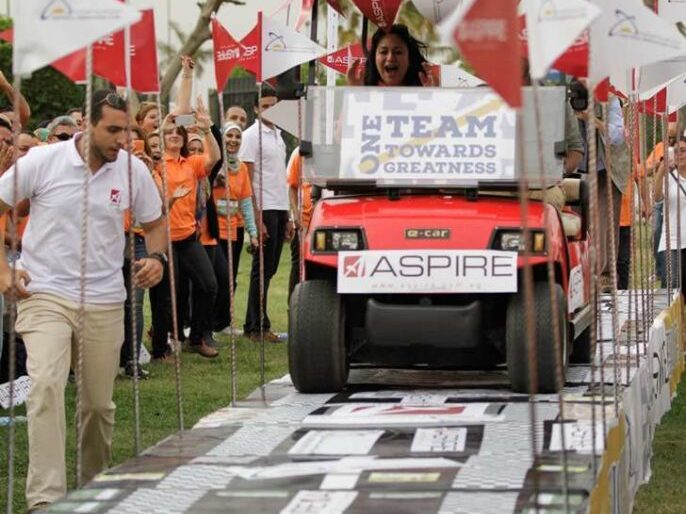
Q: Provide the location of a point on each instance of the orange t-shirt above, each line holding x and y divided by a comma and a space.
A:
240, 188
185, 172
294, 170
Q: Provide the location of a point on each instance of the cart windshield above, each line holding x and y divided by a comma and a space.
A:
431, 137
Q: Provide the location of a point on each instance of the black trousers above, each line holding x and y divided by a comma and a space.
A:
160, 311
624, 258
275, 223
222, 314
236, 248
192, 263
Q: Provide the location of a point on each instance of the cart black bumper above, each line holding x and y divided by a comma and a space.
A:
441, 326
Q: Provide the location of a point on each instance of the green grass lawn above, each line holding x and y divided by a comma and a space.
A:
206, 387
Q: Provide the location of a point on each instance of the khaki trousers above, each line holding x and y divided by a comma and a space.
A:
48, 326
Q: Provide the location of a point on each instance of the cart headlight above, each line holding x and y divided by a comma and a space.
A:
513, 241
338, 240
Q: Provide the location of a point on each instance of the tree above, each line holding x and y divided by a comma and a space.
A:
191, 46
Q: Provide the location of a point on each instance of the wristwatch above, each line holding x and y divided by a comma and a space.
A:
161, 257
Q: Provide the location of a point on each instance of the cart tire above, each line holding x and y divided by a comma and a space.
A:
582, 348
317, 357
516, 340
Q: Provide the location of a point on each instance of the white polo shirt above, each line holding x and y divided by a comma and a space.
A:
273, 165
51, 177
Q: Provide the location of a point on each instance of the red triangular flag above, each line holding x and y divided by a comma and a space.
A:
488, 40
381, 13
340, 59
229, 53
145, 76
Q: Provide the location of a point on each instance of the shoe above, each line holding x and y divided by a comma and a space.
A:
227, 331
38, 507
269, 337
203, 349
129, 371
166, 359
210, 341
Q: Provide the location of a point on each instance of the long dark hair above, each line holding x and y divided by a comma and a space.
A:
415, 49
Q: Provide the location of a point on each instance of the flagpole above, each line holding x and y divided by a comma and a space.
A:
132, 247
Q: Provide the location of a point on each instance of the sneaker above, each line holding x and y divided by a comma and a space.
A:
228, 330
203, 349
142, 373
269, 337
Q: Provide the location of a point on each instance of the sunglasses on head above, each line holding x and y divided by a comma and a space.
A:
113, 100
63, 136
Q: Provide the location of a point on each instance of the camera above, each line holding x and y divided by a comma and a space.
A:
578, 96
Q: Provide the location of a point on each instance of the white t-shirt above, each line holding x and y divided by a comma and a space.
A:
674, 190
273, 165
52, 178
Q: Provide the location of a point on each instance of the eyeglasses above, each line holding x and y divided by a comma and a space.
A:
113, 100
63, 136
169, 132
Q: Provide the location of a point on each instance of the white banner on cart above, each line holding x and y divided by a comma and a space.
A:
427, 271
428, 136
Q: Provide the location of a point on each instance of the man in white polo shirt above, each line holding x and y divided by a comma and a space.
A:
272, 199
52, 178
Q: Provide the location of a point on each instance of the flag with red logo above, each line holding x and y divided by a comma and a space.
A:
340, 59
487, 36
381, 13
229, 53
267, 51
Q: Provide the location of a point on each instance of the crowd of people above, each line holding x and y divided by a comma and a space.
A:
213, 191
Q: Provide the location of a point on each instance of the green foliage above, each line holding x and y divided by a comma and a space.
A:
48, 92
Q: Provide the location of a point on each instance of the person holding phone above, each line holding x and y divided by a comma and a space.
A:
190, 259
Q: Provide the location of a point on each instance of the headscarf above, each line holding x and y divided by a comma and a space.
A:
232, 162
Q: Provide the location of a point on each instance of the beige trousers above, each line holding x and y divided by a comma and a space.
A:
48, 325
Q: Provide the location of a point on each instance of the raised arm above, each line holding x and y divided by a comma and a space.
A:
213, 153
11, 94
183, 99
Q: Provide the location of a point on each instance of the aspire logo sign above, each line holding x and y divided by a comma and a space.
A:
353, 266
427, 271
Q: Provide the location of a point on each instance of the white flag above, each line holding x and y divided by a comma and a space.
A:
552, 26
46, 30
283, 48
658, 75
437, 10
628, 34
676, 94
